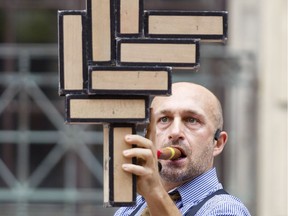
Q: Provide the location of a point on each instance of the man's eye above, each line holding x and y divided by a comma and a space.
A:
164, 119
191, 120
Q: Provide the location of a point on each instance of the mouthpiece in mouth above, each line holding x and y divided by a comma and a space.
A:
169, 153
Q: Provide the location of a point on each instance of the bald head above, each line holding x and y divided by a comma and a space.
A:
198, 96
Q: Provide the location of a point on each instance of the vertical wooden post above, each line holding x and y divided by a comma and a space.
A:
101, 20
72, 52
119, 186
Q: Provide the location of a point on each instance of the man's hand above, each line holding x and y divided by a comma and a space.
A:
148, 179
146, 170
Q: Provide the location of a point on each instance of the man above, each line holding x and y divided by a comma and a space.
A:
191, 120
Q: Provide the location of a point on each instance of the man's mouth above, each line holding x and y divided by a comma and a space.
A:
183, 154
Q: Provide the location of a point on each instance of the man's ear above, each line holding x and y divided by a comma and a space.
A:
220, 142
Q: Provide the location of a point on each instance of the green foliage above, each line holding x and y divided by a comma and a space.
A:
36, 26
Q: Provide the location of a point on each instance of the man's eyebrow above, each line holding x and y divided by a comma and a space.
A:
192, 112
164, 111
187, 112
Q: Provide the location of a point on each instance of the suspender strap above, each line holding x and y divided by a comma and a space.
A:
194, 209
136, 210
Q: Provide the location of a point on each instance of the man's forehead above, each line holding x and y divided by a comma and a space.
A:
176, 105
182, 92
186, 96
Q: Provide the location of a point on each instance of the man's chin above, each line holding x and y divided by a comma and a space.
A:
171, 175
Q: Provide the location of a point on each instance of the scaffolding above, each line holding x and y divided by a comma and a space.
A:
27, 98
44, 161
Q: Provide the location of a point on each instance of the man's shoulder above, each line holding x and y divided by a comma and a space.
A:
223, 204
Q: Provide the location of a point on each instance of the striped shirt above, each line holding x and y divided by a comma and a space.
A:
194, 192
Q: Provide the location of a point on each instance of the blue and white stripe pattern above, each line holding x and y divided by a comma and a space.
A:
194, 192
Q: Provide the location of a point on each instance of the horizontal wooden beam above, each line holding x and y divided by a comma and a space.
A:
158, 52
100, 109
206, 25
130, 80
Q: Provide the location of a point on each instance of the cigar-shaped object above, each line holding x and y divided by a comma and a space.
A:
168, 153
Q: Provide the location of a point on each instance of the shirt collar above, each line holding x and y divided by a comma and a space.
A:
197, 189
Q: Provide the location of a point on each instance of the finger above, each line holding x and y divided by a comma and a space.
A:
138, 140
144, 154
135, 169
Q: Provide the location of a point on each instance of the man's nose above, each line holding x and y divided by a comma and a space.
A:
176, 130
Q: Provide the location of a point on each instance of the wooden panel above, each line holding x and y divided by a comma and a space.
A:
123, 181
97, 109
101, 24
71, 52
171, 52
193, 25
119, 186
158, 53
130, 80
130, 16
208, 26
